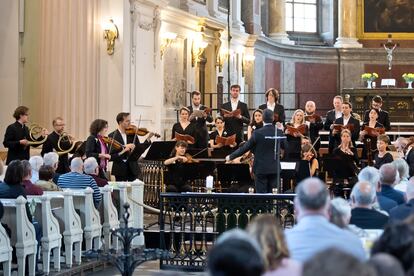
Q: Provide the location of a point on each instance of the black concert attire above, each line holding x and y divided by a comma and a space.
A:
293, 150
200, 128
278, 109
256, 126
235, 125
93, 148
14, 133
125, 166
265, 167
176, 181
51, 144
350, 162
372, 142
314, 129
331, 116
379, 161
383, 118
354, 133
189, 130
213, 135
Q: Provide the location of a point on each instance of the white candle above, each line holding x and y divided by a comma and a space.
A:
209, 182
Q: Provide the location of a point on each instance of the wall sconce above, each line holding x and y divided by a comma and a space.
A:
221, 58
166, 38
110, 34
245, 59
197, 48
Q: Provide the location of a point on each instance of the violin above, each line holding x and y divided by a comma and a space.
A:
190, 159
228, 114
112, 143
133, 130
374, 131
296, 131
184, 137
313, 118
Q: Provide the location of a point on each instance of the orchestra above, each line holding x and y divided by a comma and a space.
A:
196, 129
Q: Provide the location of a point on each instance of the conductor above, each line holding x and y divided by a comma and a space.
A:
262, 143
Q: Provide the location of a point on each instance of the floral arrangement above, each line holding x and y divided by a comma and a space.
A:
369, 76
408, 77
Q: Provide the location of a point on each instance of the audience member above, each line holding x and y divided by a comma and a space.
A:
52, 159
403, 211
313, 232
35, 161
75, 179
371, 175
402, 168
26, 183
45, 179
12, 185
385, 265
269, 234
340, 212
363, 215
91, 167
388, 178
1, 171
398, 241
235, 254
333, 261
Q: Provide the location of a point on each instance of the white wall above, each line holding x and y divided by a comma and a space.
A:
9, 63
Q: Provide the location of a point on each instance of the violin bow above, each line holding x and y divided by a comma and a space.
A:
313, 145
201, 151
136, 131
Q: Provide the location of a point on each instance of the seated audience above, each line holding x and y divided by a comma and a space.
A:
398, 241
402, 168
35, 162
403, 211
372, 175
340, 212
362, 214
385, 265
75, 179
45, 179
52, 159
29, 187
91, 167
12, 185
235, 254
388, 178
269, 234
336, 262
313, 232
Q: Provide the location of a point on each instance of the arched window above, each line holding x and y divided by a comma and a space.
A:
302, 16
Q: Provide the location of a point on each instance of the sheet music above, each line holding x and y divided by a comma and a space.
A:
288, 165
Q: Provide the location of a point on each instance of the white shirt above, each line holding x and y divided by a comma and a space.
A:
346, 120
124, 137
271, 106
196, 107
234, 104
338, 114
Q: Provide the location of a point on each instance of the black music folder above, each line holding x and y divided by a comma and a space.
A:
160, 150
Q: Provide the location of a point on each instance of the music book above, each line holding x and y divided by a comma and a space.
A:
226, 141
374, 131
227, 114
184, 137
339, 127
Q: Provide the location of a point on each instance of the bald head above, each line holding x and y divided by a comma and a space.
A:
76, 165
310, 107
363, 194
311, 195
388, 174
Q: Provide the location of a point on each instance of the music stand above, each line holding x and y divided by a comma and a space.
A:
160, 150
229, 173
221, 152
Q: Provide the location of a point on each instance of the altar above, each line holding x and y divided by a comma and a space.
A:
399, 102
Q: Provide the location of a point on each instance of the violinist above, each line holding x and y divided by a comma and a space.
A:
346, 120
294, 139
256, 123
201, 132
331, 116
183, 126
125, 166
314, 123
382, 156
346, 151
272, 103
309, 154
220, 131
97, 148
369, 137
177, 169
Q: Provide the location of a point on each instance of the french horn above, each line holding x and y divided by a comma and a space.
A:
36, 131
64, 138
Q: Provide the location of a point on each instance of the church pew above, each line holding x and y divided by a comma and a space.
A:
23, 234
5, 251
51, 238
111, 220
71, 225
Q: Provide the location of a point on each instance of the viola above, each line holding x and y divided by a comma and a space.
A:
184, 137
228, 114
296, 131
133, 130
112, 143
374, 131
313, 118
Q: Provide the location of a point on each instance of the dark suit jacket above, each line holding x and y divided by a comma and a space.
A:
279, 110
410, 161
383, 118
262, 148
391, 193
127, 162
403, 211
14, 133
355, 132
201, 131
235, 125
386, 203
330, 119
52, 144
368, 218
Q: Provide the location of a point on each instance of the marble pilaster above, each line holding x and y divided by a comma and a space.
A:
347, 24
277, 25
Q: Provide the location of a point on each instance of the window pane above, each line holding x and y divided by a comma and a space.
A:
309, 25
310, 11
299, 11
289, 10
301, 15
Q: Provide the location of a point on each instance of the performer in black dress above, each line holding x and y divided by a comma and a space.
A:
347, 153
272, 103
220, 131
183, 126
294, 131
369, 136
382, 156
256, 123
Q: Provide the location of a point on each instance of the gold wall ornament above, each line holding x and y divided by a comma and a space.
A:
198, 46
110, 34
167, 39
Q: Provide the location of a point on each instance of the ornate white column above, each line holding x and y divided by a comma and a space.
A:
277, 22
236, 23
347, 24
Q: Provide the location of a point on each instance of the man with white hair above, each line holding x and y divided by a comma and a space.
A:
363, 215
52, 159
403, 211
91, 167
313, 232
371, 175
75, 179
388, 179
35, 162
